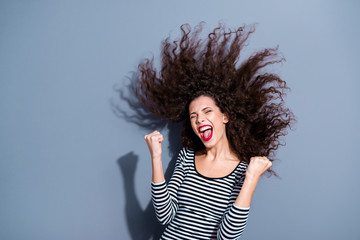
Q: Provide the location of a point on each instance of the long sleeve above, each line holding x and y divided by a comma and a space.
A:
164, 196
235, 218
233, 223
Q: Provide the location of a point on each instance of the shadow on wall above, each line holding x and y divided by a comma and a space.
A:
142, 224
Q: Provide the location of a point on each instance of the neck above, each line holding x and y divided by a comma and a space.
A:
221, 150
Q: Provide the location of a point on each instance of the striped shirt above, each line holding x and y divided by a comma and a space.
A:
199, 207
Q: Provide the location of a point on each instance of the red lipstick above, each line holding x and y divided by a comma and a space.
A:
206, 132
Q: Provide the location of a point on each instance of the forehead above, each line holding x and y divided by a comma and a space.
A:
201, 102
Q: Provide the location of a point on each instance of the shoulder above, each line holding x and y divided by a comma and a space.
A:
242, 168
185, 155
243, 165
240, 172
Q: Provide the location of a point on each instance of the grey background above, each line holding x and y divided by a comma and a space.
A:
70, 168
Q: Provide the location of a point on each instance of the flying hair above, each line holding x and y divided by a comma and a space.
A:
251, 97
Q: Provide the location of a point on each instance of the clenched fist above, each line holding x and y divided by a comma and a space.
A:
153, 141
257, 166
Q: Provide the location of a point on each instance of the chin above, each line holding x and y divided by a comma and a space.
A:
208, 144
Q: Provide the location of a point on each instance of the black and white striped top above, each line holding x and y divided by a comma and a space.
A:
198, 207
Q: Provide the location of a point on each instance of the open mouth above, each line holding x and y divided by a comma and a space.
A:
206, 132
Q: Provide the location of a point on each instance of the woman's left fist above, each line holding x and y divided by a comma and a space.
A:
257, 167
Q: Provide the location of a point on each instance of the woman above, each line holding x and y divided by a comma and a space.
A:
233, 116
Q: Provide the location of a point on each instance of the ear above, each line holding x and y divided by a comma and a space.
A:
225, 118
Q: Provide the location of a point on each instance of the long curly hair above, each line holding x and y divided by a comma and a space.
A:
252, 98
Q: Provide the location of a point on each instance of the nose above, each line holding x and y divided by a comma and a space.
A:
200, 119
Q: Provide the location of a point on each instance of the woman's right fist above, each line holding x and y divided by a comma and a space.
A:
153, 141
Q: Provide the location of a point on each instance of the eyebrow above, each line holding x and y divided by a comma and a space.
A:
201, 110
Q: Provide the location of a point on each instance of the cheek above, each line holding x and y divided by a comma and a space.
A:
193, 126
220, 123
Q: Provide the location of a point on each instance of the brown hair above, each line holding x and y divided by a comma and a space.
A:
251, 98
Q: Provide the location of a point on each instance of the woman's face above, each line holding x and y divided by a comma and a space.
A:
207, 121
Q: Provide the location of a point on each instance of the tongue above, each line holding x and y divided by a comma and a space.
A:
207, 134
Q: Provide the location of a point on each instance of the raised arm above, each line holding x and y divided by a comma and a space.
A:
256, 168
154, 141
234, 221
164, 196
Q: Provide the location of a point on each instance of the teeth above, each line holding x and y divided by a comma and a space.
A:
202, 129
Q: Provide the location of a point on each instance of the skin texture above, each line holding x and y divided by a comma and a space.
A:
217, 159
